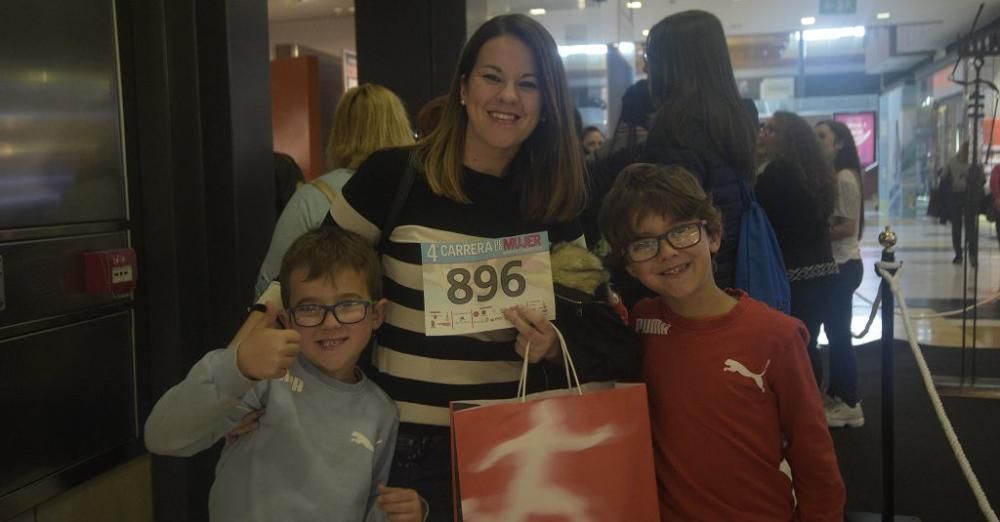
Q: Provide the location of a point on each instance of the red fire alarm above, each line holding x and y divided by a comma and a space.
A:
110, 272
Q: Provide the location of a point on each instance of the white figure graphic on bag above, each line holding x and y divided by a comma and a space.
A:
530, 492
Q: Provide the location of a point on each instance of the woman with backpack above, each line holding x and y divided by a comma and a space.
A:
846, 223
368, 117
796, 188
701, 124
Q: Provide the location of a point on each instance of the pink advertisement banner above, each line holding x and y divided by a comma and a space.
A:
862, 125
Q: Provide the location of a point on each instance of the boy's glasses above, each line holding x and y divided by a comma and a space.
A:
345, 312
682, 236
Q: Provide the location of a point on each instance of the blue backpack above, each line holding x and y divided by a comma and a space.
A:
760, 268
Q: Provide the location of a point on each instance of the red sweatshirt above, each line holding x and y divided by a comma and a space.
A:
730, 397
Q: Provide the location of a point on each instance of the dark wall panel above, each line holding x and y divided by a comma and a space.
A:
842, 84
68, 396
410, 47
197, 124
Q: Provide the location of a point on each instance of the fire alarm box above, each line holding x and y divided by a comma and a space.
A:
110, 272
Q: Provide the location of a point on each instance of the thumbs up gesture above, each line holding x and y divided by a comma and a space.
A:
268, 351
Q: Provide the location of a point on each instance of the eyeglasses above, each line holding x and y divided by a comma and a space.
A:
345, 312
682, 236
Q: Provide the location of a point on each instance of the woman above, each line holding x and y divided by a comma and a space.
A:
368, 117
846, 224
700, 124
796, 189
502, 161
592, 139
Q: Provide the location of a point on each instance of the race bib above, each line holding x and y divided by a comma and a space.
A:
467, 286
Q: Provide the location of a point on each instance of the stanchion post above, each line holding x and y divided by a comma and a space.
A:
888, 263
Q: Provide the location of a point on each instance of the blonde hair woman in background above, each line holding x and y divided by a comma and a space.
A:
368, 118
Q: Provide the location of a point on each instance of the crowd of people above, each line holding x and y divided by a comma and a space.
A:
334, 399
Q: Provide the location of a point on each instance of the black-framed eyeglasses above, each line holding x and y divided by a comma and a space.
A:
349, 311
685, 235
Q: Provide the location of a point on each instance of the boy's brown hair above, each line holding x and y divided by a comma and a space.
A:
644, 189
324, 252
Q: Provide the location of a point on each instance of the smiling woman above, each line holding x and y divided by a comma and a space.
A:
502, 163
509, 110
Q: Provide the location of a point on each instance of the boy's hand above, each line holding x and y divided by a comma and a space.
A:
401, 504
268, 351
532, 326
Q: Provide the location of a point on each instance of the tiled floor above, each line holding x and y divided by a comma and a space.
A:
932, 284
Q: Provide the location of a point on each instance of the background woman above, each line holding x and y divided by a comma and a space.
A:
797, 191
502, 161
701, 123
368, 117
846, 224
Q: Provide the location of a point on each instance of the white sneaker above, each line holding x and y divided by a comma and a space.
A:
839, 414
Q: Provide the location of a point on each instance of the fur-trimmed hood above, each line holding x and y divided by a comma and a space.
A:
575, 267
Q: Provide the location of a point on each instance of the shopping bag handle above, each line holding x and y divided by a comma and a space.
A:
522, 386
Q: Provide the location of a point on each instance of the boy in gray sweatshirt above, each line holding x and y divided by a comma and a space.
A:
323, 449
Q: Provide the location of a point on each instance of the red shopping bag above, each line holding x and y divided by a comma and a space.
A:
573, 456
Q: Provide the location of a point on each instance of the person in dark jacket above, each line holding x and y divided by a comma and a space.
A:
701, 124
797, 190
633, 122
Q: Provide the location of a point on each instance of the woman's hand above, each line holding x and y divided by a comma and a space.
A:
533, 327
249, 422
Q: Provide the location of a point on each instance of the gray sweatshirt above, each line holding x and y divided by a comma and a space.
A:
322, 447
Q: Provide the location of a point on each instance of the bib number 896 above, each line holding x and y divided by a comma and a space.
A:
485, 278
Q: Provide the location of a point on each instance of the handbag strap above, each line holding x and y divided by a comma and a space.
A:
325, 188
402, 193
571, 376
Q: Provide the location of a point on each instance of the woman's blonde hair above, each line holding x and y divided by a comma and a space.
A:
369, 117
548, 167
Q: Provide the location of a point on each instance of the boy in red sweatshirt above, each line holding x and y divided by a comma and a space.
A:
731, 389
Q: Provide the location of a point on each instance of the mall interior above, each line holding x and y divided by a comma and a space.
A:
146, 128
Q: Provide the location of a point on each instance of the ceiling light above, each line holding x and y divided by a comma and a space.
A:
645, 32
808, 20
581, 4
883, 16
833, 33
350, 9
633, 5
587, 49
538, 11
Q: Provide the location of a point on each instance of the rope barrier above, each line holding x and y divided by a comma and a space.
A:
925, 374
986, 301
871, 316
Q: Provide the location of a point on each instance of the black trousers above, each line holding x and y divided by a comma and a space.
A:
959, 214
423, 462
811, 304
843, 363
